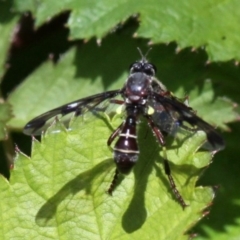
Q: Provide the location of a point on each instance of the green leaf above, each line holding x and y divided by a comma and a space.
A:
183, 73
208, 23
7, 22
48, 82
223, 173
231, 232
217, 111
60, 191
5, 115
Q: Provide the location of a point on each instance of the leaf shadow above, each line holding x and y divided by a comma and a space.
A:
149, 160
83, 181
136, 209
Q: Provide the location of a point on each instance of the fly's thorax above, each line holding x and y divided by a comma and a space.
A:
137, 87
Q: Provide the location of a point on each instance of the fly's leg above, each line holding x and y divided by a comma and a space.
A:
115, 177
114, 135
117, 101
167, 169
113, 183
171, 180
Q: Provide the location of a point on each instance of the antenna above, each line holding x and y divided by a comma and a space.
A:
141, 54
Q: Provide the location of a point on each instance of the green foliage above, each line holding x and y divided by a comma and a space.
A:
207, 23
5, 115
7, 23
59, 192
68, 173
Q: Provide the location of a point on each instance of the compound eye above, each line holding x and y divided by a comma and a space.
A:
135, 67
144, 67
150, 69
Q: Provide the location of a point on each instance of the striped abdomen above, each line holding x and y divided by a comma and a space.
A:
126, 148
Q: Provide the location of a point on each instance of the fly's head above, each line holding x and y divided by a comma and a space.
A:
138, 85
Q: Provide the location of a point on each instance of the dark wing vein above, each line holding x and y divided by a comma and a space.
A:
181, 113
78, 107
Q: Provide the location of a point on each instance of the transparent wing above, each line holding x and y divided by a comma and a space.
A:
77, 108
170, 114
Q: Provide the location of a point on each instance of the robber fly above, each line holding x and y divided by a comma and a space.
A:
141, 96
